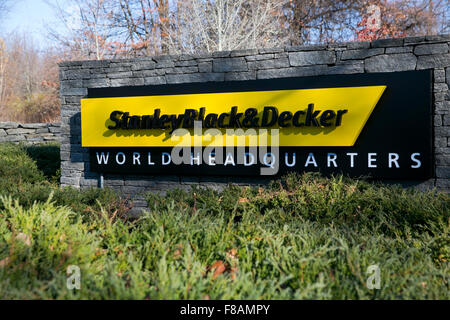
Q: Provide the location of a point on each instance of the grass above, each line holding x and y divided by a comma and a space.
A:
302, 237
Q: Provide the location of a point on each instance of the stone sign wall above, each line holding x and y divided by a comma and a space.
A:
389, 55
29, 133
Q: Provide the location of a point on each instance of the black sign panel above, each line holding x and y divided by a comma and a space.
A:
395, 143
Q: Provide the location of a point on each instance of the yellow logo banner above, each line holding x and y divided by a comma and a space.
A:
304, 117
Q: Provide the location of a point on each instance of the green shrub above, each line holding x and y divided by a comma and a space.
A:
38, 243
170, 253
315, 198
300, 237
47, 158
30, 174
92, 201
16, 167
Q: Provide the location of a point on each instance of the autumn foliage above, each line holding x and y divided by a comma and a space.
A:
103, 29
29, 85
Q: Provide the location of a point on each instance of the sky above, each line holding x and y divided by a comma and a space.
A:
29, 16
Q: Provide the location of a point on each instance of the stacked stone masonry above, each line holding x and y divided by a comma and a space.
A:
29, 133
387, 55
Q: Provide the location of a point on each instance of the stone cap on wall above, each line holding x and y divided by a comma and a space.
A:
381, 43
30, 133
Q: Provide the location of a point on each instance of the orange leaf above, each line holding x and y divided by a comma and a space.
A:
218, 268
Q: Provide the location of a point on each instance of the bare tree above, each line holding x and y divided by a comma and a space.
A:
3, 63
405, 18
28, 80
107, 28
142, 23
319, 21
421, 17
87, 27
225, 25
